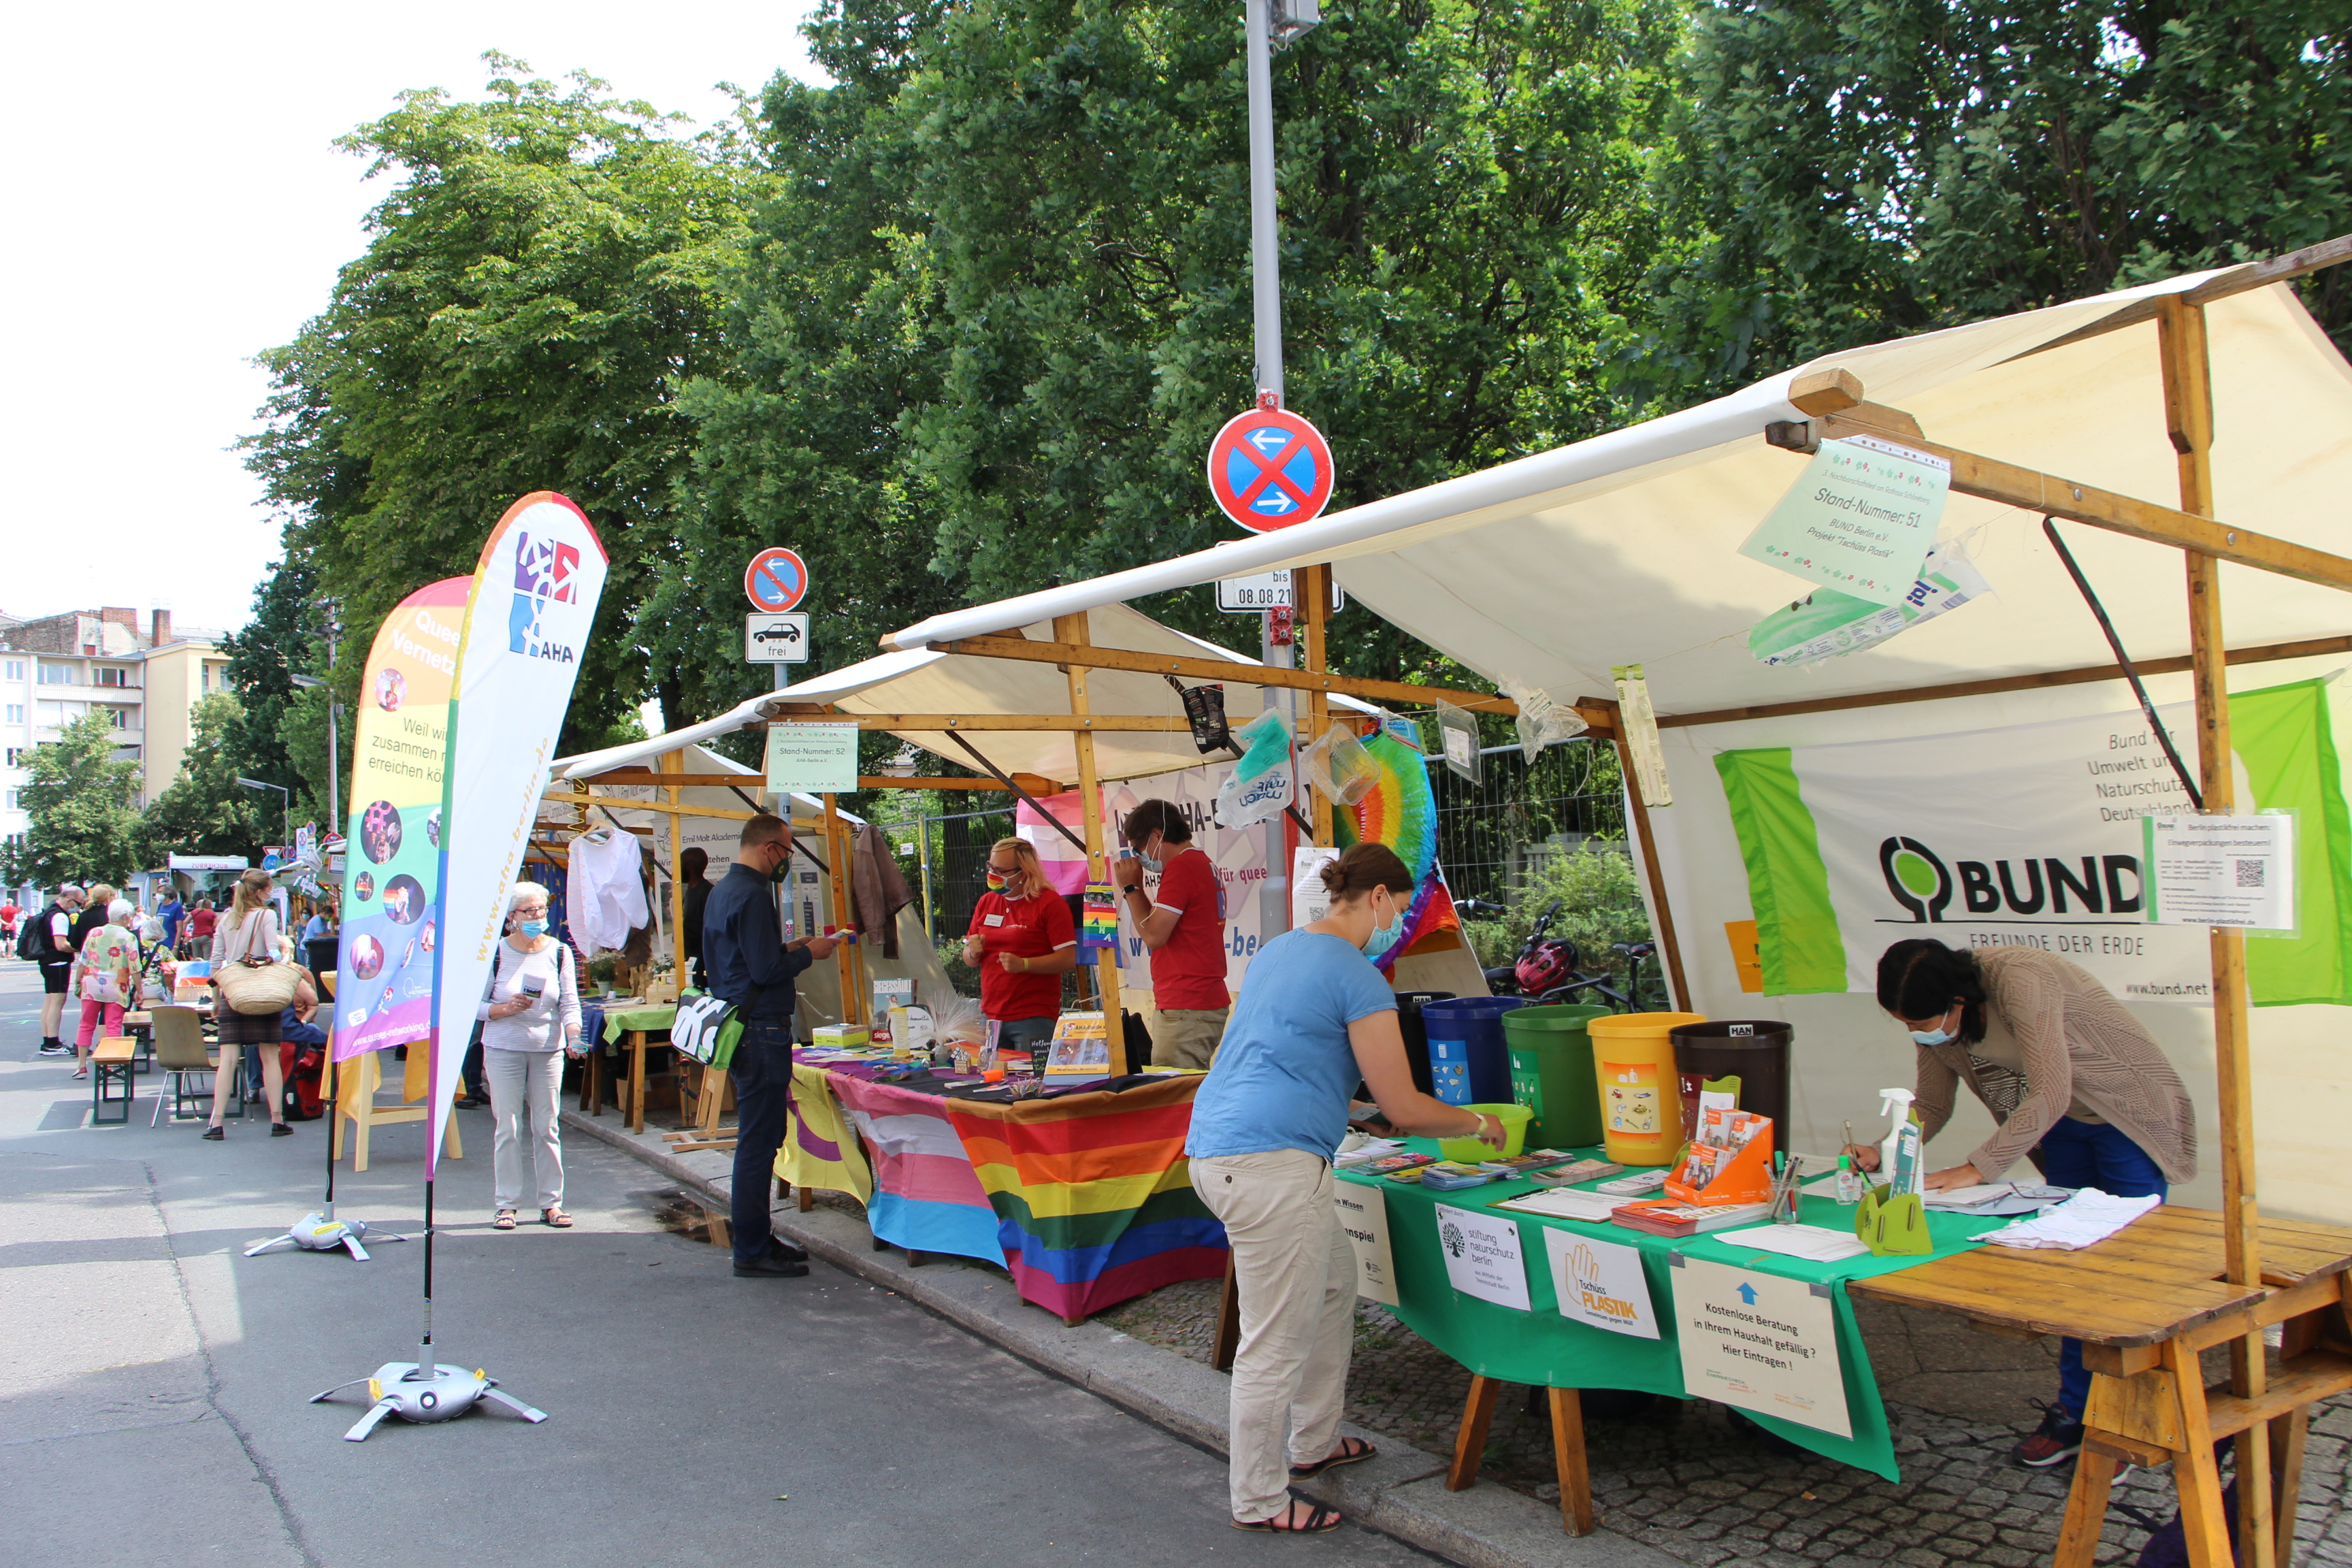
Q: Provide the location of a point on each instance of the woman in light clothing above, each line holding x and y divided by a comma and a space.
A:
105, 975
530, 1022
248, 932
1313, 1018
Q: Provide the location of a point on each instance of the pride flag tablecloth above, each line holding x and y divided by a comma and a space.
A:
1086, 1199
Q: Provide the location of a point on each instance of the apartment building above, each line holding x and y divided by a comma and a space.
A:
147, 679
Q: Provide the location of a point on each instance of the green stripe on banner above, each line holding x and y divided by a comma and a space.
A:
1788, 887
2282, 735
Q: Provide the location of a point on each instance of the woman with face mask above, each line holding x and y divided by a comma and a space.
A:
1314, 1019
1023, 941
2072, 1080
1184, 927
530, 1022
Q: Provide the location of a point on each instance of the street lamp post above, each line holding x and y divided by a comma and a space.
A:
334, 753
285, 804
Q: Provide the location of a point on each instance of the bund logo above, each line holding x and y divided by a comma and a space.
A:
1924, 884
546, 573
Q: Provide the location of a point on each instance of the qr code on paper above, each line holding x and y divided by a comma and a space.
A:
2250, 873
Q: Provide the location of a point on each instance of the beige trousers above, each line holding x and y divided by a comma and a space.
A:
1296, 1270
1187, 1037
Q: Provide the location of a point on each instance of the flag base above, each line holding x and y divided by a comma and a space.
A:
415, 1393
313, 1233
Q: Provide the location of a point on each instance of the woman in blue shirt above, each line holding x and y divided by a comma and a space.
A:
1314, 1018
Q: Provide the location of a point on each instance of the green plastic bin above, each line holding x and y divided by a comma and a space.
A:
1552, 1074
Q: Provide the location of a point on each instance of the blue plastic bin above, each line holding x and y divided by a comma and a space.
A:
1469, 1060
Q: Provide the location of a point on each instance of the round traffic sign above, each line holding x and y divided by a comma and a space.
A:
1269, 468
776, 580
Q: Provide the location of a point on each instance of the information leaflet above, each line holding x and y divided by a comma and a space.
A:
1364, 1215
1759, 1342
1482, 1257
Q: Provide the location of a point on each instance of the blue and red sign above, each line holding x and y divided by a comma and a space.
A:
1269, 468
776, 580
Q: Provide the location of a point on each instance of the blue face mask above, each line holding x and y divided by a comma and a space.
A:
1387, 936
533, 928
1934, 1037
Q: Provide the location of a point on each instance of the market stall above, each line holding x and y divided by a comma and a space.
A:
1653, 559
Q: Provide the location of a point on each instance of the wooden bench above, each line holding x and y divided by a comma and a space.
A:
113, 1060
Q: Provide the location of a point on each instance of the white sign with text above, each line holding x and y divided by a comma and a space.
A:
1759, 1342
1482, 1258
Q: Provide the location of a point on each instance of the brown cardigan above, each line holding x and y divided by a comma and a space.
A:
2078, 1044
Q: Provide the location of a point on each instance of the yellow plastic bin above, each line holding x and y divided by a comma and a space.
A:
1640, 1100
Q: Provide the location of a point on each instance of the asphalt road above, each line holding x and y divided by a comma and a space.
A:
155, 1382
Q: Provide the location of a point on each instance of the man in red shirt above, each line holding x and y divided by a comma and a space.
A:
1023, 941
1184, 927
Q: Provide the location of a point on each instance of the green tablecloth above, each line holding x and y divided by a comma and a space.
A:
649, 1019
1544, 1348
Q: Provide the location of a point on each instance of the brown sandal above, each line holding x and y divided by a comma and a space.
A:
1350, 1451
506, 1220
1319, 1519
555, 1217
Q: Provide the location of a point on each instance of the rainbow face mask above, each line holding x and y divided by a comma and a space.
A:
995, 883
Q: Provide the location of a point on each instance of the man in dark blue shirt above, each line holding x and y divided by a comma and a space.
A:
749, 964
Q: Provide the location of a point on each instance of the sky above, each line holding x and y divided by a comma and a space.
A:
177, 206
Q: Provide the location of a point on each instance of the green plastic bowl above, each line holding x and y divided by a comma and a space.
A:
1470, 1151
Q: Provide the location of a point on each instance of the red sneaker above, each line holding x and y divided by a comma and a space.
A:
2058, 1438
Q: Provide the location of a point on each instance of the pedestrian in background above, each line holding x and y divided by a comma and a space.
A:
172, 913
56, 958
202, 921
249, 934
105, 975
697, 887
530, 1022
320, 935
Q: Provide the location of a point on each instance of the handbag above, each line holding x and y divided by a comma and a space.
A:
706, 1029
256, 987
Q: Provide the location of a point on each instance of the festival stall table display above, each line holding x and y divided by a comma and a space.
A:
1085, 1198
631, 1029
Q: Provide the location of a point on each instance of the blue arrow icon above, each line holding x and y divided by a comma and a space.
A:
1748, 1292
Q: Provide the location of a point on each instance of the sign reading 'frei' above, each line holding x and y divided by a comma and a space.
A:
1861, 520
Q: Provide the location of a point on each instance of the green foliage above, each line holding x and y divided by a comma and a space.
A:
1853, 169
1600, 903
279, 642
83, 826
204, 811
302, 731
544, 271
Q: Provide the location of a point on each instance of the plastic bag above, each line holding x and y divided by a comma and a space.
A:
1264, 780
1542, 722
1338, 765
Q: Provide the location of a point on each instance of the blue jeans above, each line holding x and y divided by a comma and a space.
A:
762, 1071
2102, 1155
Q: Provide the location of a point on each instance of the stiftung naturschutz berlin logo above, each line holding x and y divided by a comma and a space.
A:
546, 573
2048, 886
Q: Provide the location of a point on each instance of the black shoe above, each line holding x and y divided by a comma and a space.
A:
2059, 1438
769, 1268
216, 1134
779, 1247
54, 1047
281, 1129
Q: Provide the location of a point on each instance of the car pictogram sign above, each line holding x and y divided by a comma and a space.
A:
1269, 468
776, 580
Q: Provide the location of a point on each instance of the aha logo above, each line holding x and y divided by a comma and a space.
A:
1921, 882
546, 573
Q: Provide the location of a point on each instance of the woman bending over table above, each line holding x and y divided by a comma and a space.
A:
1314, 1019
2070, 1077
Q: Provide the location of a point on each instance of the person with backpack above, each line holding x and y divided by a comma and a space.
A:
249, 936
47, 940
530, 1022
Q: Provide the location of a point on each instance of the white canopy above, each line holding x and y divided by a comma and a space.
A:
926, 682
1623, 548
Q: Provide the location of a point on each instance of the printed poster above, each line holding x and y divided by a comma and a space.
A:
1482, 1257
1600, 1283
1860, 520
1759, 1342
1364, 1215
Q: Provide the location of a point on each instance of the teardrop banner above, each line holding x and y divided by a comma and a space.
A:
1269, 468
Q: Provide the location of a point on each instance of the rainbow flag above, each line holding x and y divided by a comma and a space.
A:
1400, 811
1092, 1193
818, 1151
926, 1196
1101, 927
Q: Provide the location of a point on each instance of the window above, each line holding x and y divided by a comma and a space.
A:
122, 717
15, 716
16, 756
56, 675
110, 675
13, 801
15, 670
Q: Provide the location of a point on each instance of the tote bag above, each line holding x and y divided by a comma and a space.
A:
256, 987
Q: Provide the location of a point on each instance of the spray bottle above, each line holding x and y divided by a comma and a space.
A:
1898, 1153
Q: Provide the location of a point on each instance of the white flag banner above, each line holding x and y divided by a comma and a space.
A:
534, 598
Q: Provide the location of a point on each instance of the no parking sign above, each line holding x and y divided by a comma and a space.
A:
1269, 468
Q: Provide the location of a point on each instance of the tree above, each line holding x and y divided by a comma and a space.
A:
542, 275
1856, 169
281, 640
204, 810
999, 304
83, 826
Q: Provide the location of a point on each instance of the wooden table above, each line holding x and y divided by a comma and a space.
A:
635, 1042
2144, 1303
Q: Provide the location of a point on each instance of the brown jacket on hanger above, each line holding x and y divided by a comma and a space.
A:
876, 891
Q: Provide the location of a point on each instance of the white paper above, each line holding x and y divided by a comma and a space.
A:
2090, 1216
1568, 1203
1759, 1342
1482, 1257
2220, 871
1601, 1283
1308, 901
1861, 519
812, 759
1364, 1215
1817, 1243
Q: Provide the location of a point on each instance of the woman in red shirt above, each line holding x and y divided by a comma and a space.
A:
1022, 941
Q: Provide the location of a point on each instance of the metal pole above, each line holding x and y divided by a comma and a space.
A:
334, 744
1266, 264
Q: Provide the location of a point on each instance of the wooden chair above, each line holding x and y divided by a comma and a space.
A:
180, 1049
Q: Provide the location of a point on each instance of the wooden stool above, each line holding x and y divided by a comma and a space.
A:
356, 1102
1566, 1442
112, 1060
